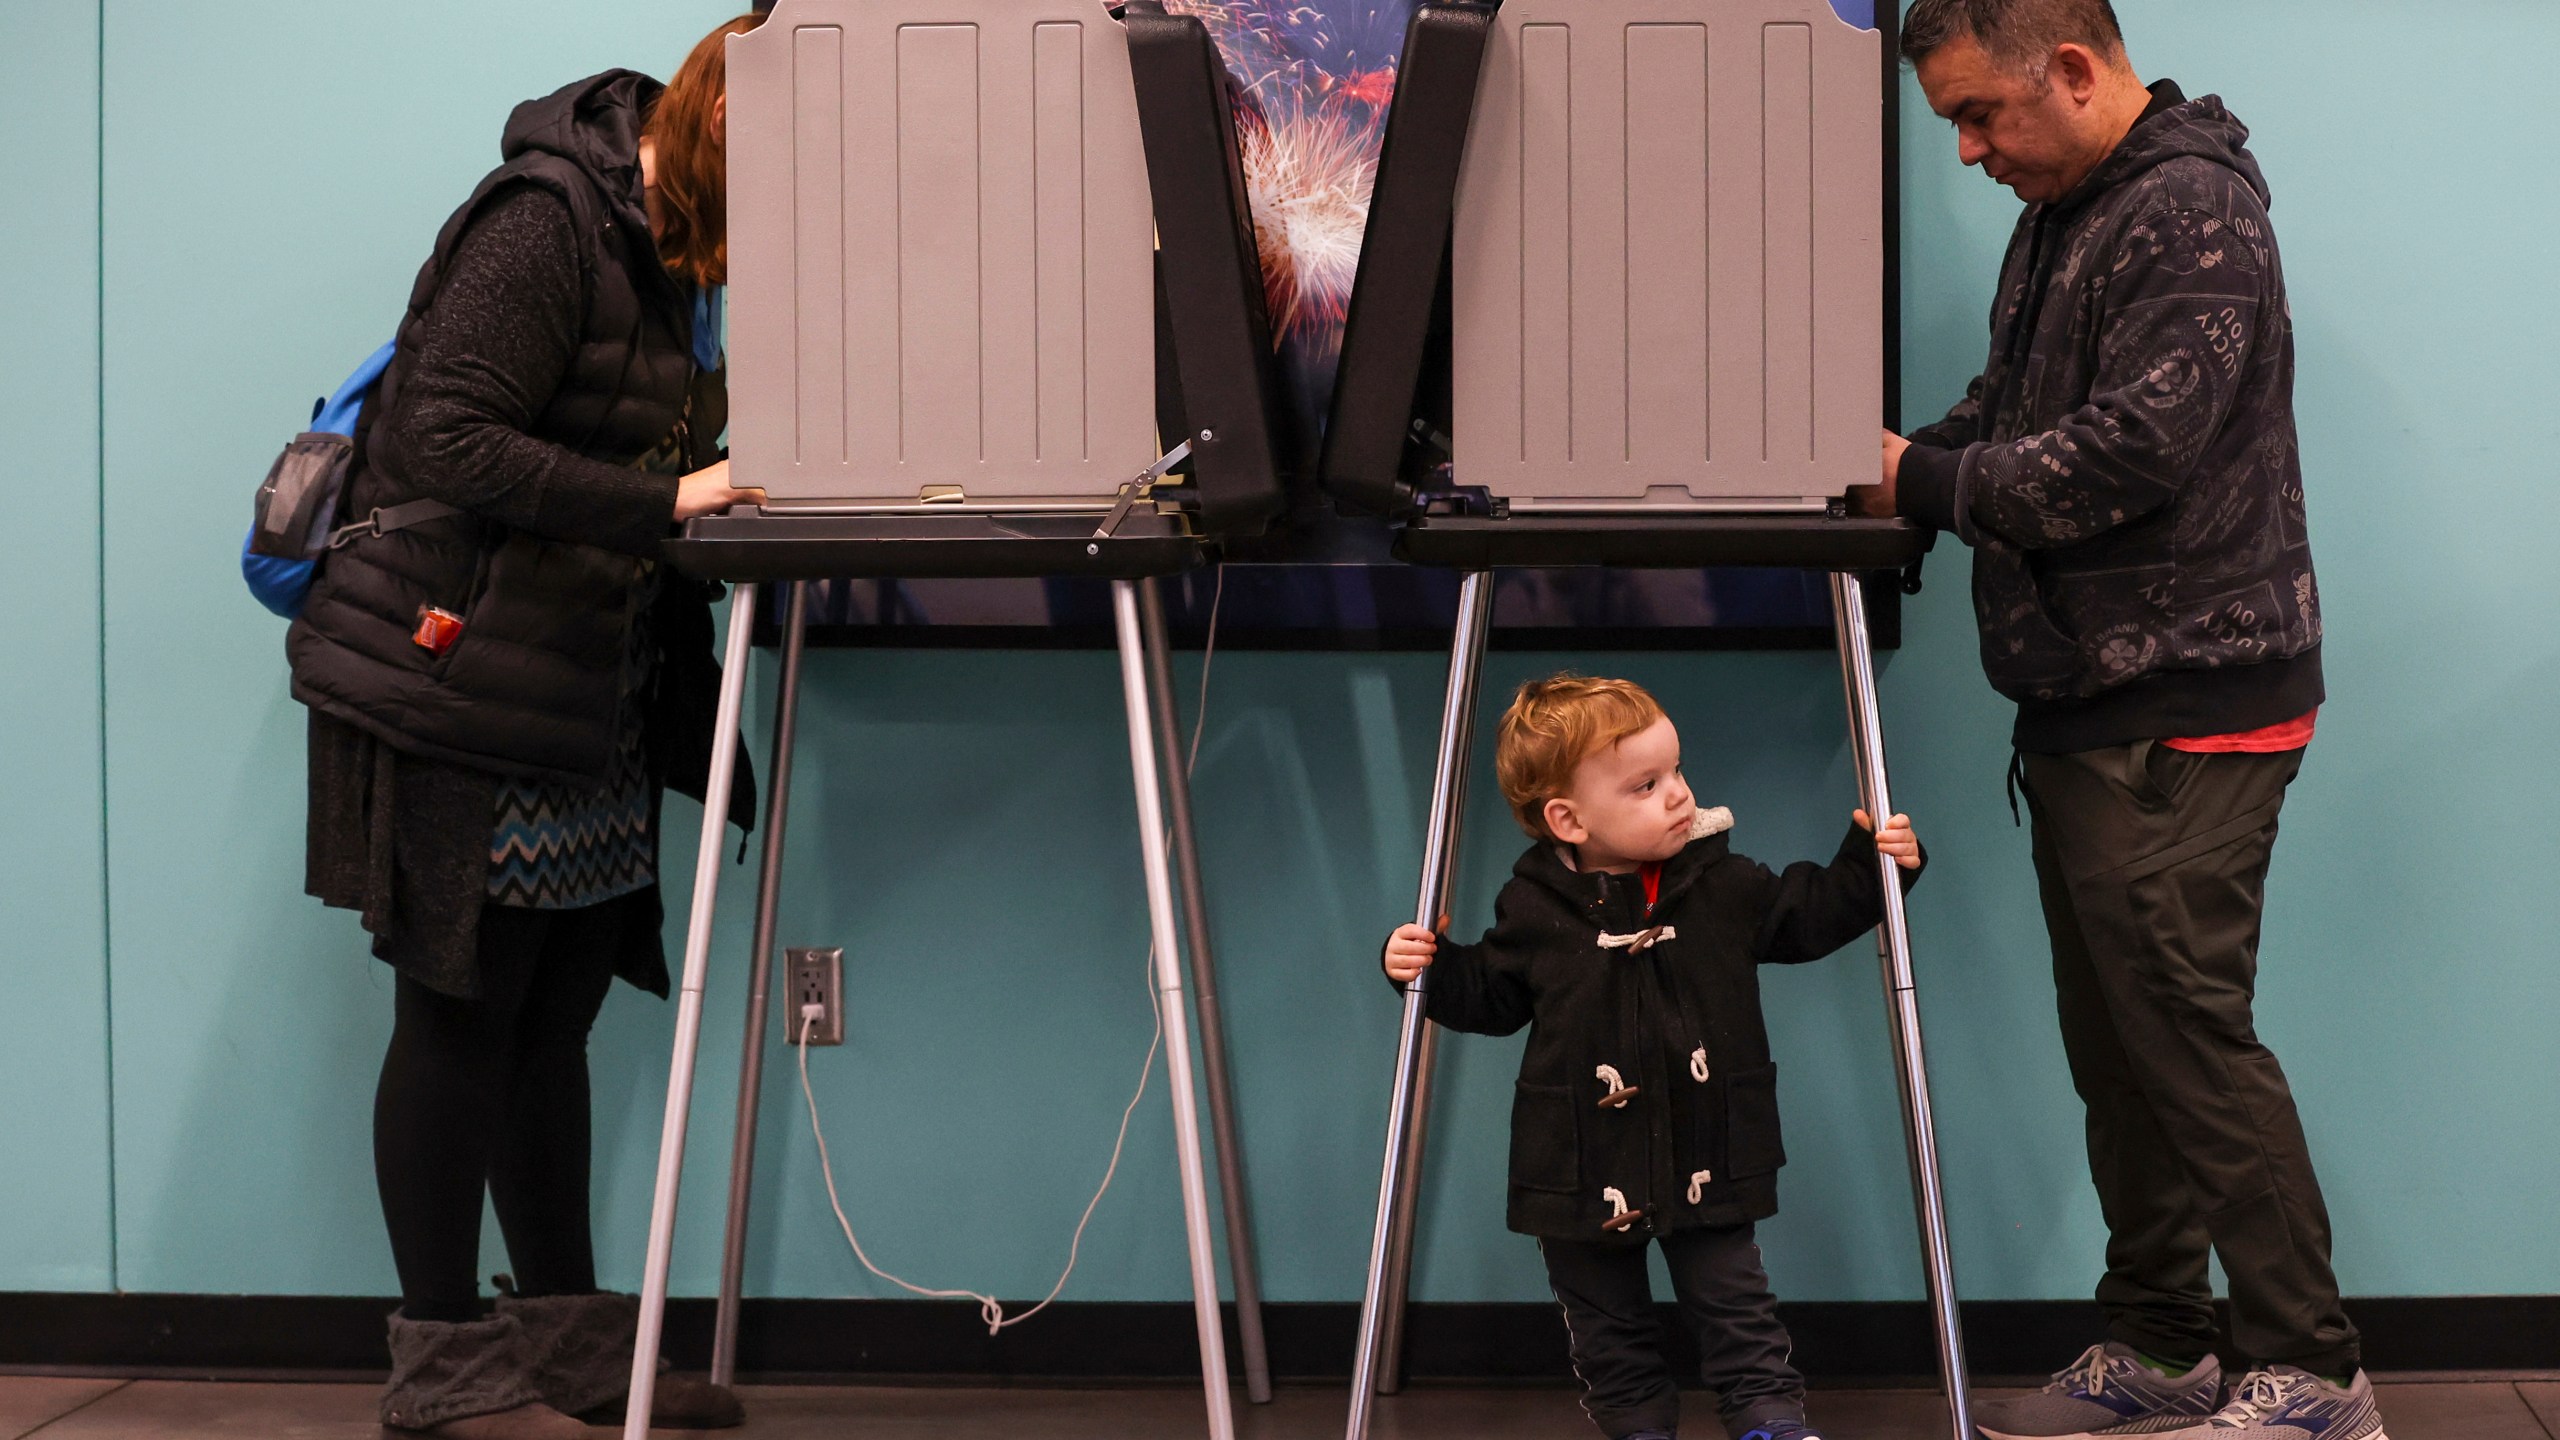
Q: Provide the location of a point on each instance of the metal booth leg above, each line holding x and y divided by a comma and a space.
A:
1241, 1268
742, 1153
1169, 1009
697, 958
1390, 1379
1391, 1248
1902, 1001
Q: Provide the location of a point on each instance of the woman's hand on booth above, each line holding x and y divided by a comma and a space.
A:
1409, 952
707, 492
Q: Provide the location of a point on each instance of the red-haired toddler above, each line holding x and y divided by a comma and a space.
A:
1629, 942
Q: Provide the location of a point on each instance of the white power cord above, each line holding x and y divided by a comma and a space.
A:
991, 1309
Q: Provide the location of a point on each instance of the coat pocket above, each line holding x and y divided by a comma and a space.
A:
1753, 1145
1704, 1160
1546, 1147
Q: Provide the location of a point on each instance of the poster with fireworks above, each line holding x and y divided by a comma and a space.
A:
1314, 80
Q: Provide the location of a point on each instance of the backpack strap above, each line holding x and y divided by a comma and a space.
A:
387, 518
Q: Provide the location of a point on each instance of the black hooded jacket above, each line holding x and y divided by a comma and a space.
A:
546, 566
1666, 1003
545, 351
2125, 467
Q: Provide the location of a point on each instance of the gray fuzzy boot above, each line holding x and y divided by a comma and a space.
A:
467, 1381
580, 1351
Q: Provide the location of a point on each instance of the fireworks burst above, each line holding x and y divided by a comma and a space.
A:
1308, 175
1314, 87
1286, 52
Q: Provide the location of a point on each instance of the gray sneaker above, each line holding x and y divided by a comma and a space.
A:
2284, 1403
2109, 1392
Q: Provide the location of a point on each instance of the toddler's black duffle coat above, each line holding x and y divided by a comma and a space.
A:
1666, 1004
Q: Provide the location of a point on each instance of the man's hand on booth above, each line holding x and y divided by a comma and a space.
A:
707, 492
1877, 501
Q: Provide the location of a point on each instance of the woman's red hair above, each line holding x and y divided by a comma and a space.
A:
693, 161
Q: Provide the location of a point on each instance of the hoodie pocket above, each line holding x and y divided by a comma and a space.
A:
1546, 1146
1753, 1145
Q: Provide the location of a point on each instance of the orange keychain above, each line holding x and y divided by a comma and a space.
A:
437, 629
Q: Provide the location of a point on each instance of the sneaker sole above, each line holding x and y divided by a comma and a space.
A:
2158, 1425
2183, 1432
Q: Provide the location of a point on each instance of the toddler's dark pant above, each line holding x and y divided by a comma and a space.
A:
1724, 1299
2153, 868
490, 1096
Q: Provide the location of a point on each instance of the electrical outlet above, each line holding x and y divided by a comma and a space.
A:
817, 978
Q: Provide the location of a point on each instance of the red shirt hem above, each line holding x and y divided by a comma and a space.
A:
2294, 734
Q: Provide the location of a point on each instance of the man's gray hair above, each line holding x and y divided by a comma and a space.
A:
2019, 35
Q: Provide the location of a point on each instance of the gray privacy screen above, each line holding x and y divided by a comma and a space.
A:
941, 252
1668, 260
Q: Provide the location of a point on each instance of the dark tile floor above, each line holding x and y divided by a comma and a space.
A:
64, 1409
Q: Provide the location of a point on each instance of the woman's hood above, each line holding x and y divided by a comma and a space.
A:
594, 124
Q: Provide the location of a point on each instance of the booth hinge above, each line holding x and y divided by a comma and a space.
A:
1473, 500
1139, 487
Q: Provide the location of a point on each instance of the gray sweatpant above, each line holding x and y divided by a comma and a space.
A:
2152, 864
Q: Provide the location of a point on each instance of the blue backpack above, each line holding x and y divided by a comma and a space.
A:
295, 521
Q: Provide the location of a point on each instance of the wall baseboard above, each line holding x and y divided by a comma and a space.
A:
908, 1339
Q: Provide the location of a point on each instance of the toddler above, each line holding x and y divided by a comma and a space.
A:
1629, 941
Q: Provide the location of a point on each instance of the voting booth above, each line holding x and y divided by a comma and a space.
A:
998, 311
1621, 303
993, 280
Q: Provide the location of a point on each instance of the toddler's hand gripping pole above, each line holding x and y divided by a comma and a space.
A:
1902, 1000
1375, 1365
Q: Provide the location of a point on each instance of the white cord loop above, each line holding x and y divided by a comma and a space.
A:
1698, 1064
1620, 1092
1641, 940
1698, 1185
990, 1309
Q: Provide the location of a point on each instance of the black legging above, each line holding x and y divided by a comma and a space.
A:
491, 1095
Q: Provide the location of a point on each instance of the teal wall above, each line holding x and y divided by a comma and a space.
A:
56, 1186
187, 1043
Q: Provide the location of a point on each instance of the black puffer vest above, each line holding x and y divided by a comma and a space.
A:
535, 686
